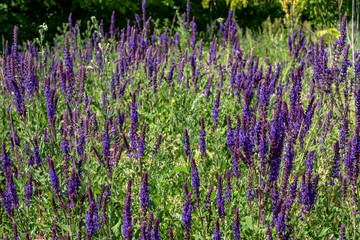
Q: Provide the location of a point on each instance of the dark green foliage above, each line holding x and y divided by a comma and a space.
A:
28, 15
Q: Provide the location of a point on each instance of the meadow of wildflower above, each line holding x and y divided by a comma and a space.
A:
145, 133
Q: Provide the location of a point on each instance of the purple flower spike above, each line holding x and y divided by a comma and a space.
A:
345, 64
112, 25
92, 218
155, 84
16, 235
186, 216
51, 101
143, 235
157, 145
155, 235
9, 198
309, 189
81, 82
171, 234
54, 233
143, 6
127, 219
195, 179
193, 34
269, 233
293, 188
134, 125
277, 136
81, 140
188, 10
336, 161
212, 51
53, 175
352, 164
215, 110
343, 189
90, 225
37, 158
217, 232
171, 73
208, 195
236, 225
342, 38
280, 220
18, 99
106, 142
220, 199
126, 143
72, 185
202, 135
53, 204
5, 158
187, 144
343, 232
105, 200
230, 134
149, 225
70, 21
144, 194
357, 71
142, 142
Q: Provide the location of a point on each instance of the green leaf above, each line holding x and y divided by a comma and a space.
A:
116, 228
323, 232
313, 148
198, 236
178, 169
249, 223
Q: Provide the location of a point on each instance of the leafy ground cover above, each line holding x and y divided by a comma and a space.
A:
142, 133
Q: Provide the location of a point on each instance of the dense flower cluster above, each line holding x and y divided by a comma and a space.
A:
83, 102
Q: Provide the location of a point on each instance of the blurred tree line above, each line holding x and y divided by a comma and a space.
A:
29, 14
